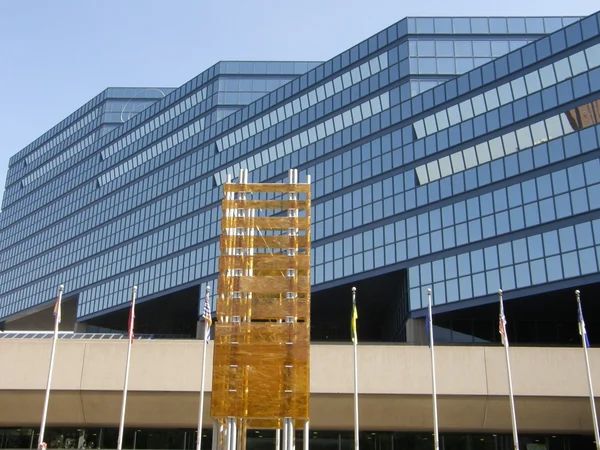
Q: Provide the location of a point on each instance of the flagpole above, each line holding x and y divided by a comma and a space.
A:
355, 342
50, 369
510, 386
436, 438
124, 402
202, 378
585, 344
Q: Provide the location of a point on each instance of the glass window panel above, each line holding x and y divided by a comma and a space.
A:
483, 153
509, 142
562, 70
551, 243
587, 261
570, 264
538, 271
482, 48
507, 278
498, 25
538, 131
523, 275
443, 25
520, 250
500, 48
427, 66
425, 25
478, 104
592, 171
518, 88
533, 83
477, 261
479, 285
426, 48
592, 55
445, 166
466, 110
491, 99
458, 164
505, 94
554, 127
430, 125
442, 120
450, 265
454, 115
578, 63
534, 25
554, 268
567, 239
464, 264
463, 48
516, 25
464, 65
524, 138
547, 76
496, 148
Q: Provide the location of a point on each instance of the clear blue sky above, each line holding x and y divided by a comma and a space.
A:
57, 54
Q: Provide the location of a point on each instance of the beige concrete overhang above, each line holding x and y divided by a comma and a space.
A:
394, 383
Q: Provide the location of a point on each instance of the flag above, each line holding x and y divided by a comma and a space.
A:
582, 330
353, 324
206, 313
502, 329
57, 308
131, 319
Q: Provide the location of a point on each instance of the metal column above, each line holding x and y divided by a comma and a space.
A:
306, 434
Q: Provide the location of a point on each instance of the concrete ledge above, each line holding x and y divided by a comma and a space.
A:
394, 382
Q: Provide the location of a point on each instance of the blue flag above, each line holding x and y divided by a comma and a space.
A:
428, 321
582, 330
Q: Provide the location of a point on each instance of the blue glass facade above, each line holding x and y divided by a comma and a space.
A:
462, 150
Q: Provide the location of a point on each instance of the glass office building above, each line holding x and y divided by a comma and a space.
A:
457, 154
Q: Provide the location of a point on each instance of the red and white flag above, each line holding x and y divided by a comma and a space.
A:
502, 329
57, 308
131, 318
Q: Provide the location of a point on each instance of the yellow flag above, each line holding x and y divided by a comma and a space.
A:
353, 324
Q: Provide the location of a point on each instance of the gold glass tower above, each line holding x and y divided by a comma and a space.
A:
262, 335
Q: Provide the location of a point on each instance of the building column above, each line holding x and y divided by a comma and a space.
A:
416, 332
80, 327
